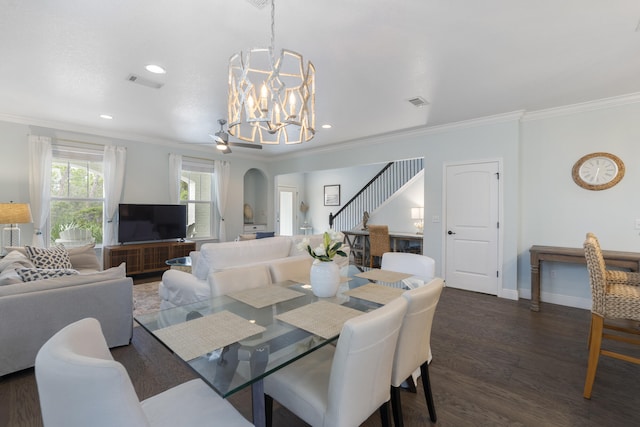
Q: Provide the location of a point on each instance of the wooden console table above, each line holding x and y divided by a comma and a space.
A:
145, 257
630, 260
358, 240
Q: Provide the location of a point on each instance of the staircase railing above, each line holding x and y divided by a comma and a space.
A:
375, 192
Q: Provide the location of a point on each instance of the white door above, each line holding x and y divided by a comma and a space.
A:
472, 229
286, 215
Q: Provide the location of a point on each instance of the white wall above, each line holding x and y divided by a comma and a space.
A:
556, 212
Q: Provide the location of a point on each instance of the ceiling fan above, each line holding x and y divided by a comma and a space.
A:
222, 140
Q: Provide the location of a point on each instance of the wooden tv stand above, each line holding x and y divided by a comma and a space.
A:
145, 257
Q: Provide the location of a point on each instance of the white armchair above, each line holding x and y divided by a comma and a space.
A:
80, 385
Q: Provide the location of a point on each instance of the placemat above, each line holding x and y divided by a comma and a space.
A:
383, 275
376, 293
199, 336
321, 318
265, 295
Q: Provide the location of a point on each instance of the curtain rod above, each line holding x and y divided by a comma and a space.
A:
80, 142
198, 158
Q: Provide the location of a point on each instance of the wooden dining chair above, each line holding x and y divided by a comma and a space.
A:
614, 295
379, 242
79, 385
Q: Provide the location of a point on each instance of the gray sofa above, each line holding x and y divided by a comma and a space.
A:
32, 312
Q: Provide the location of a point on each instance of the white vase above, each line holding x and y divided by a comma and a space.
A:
325, 278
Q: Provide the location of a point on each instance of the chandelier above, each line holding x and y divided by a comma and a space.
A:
271, 99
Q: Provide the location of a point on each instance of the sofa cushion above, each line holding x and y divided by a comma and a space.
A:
84, 257
8, 265
31, 274
52, 258
62, 282
220, 256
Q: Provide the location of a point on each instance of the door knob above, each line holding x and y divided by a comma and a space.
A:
450, 232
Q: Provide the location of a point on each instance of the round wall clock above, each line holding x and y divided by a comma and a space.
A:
598, 171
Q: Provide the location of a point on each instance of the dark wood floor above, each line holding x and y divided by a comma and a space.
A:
495, 364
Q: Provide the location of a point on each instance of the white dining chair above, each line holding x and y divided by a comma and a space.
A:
413, 349
420, 266
80, 384
342, 386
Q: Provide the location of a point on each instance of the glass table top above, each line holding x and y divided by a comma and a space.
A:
245, 361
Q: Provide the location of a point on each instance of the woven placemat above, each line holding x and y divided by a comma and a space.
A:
200, 336
383, 275
376, 293
321, 318
265, 295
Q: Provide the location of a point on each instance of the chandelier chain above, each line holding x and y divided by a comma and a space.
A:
273, 26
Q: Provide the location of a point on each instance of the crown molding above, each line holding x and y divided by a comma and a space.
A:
598, 104
384, 138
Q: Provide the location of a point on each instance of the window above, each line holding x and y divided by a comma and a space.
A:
77, 195
196, 185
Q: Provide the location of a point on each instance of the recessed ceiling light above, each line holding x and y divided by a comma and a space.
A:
326, 126
106, 117
155, 69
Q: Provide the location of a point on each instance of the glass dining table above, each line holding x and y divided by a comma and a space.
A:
236, 340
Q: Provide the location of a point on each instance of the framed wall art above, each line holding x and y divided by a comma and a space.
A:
332, 195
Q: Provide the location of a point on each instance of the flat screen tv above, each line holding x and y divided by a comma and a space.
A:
143, 223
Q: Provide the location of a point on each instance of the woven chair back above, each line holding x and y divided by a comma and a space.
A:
597, 273
379, 240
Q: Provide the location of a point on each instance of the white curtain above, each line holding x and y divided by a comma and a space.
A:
114, 167
39, 184
221, 172
175, 174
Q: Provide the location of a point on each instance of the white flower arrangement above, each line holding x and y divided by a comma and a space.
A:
330, 247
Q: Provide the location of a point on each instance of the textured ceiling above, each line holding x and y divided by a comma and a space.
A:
65, 62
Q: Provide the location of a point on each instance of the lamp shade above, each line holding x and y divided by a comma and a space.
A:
417, 213
15, 213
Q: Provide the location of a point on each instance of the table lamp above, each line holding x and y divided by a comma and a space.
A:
13, 214
418, 215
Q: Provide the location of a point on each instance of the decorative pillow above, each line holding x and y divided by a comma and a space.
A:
247, 237
263, 234
9, 276
84, 257
31, 274
52, 258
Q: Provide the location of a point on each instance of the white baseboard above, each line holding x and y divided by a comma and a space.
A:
566, 300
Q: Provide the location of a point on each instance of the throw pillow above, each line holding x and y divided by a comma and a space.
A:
247, 237
31, 274
52, 258
84, 257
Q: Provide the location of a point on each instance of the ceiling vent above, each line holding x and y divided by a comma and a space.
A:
144, 82
418, 101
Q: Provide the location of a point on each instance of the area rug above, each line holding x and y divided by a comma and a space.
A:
145, 298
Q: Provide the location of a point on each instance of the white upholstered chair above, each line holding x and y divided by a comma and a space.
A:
342, 386
420, 266
414, 345
80, 385
238, 279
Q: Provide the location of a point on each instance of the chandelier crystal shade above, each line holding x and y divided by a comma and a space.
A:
271, 99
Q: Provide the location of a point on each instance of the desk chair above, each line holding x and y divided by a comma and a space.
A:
379, 242
342, 386
413, 350
615, 295
80, 385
